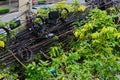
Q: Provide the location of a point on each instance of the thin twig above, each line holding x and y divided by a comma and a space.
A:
47, 57
17, 59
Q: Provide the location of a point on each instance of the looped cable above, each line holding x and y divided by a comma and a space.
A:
68, 13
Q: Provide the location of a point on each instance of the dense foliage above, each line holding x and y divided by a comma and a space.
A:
92, 52
4, 10
60, 5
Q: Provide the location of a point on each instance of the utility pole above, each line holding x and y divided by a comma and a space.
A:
24, 5
10, 4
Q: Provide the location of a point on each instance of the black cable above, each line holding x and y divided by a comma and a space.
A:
68, 13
